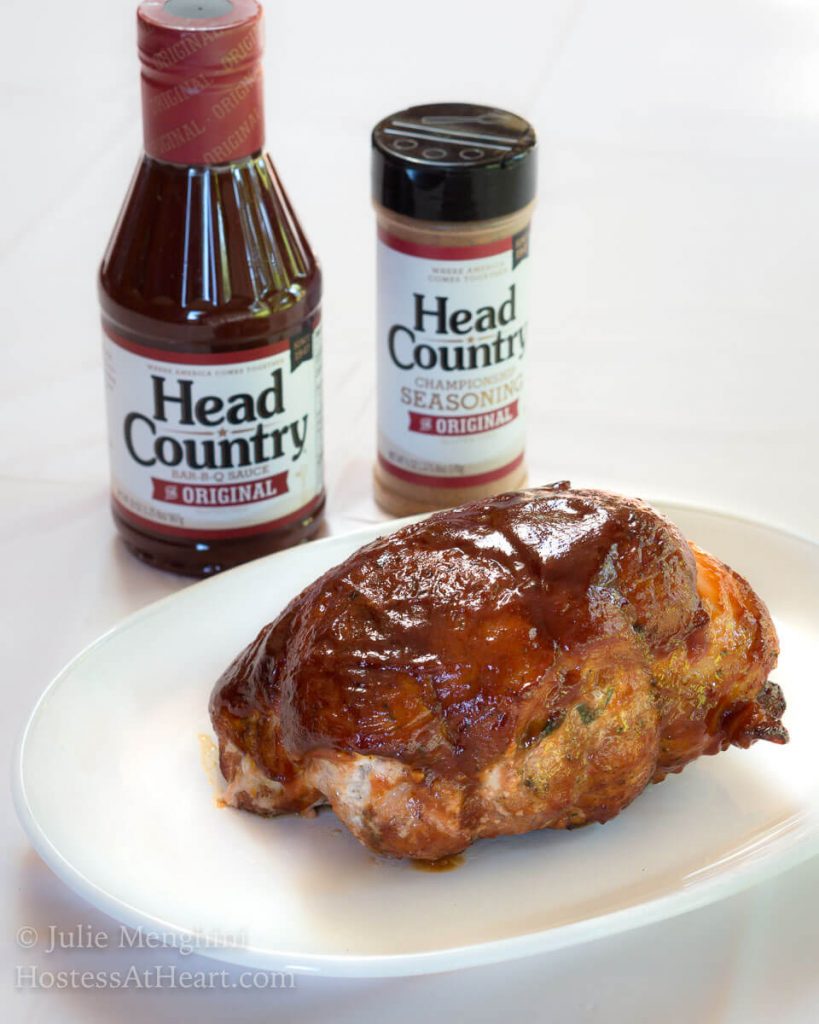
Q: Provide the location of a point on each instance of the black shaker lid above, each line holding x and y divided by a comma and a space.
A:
454, 162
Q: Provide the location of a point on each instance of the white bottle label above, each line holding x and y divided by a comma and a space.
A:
217, 445
452, 334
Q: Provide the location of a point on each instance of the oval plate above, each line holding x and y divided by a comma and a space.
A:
113, 790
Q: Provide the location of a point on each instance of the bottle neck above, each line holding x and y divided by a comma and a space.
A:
205, 118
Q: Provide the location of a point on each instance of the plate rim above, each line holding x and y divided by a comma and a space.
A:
785, 850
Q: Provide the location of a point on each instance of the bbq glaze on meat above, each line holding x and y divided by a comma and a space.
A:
529, 661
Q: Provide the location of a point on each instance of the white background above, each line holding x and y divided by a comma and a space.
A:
673, 354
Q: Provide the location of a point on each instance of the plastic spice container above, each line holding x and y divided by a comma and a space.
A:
454, 187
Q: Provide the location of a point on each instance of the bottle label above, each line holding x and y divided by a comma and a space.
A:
216, 445
452, 333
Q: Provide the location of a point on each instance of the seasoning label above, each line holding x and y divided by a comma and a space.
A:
215, 445
452, 334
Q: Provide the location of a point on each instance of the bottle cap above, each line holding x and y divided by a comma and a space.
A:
201, 79
454, 162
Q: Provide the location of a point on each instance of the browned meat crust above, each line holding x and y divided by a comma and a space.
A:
529, 661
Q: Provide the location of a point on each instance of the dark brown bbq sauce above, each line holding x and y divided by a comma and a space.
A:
363, 677
207, 260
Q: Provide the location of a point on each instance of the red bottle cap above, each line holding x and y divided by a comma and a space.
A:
201, 79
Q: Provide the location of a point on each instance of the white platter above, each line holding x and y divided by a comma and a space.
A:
110, 786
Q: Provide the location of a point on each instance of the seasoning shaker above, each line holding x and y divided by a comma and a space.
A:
454, 188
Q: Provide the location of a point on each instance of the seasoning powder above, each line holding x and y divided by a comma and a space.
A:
454, 187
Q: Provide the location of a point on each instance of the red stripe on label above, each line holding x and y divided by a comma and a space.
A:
244, 531
162, 355
219, 495
450, 481
460, 426
445, 252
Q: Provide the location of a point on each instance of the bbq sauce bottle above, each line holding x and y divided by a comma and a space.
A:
210, 301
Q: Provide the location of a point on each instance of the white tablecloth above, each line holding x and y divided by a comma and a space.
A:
673, 356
